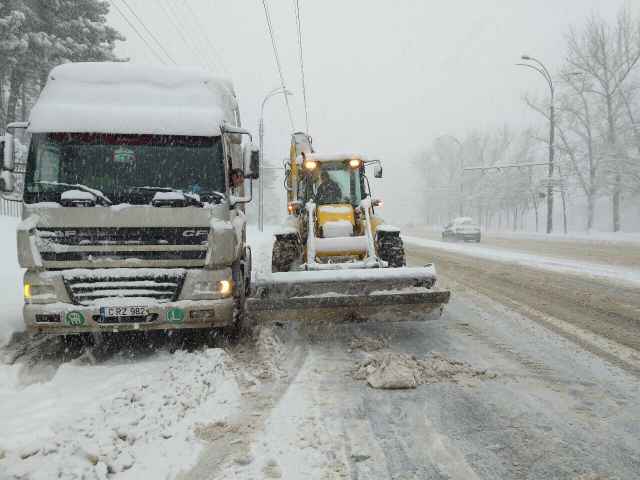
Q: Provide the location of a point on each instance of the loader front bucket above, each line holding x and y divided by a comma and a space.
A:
345, 296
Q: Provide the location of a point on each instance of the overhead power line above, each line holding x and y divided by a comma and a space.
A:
189, 31
149, 32
180, 33
304, 90
255, 114
136, 30
275, 51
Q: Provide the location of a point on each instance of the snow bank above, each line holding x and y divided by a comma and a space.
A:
130, 420
11, 289
548, 263
132, 98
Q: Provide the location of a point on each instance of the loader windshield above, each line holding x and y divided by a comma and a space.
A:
118, 165
336, 182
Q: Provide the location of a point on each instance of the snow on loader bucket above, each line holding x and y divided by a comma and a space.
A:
347, 295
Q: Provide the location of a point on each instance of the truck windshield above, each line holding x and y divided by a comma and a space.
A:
341, 184
118, 165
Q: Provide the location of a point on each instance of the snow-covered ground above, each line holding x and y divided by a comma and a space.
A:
11, 289
125, 418
591, 269
522, 398
133, 412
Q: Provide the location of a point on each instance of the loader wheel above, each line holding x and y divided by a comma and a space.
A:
284, 254
391, 250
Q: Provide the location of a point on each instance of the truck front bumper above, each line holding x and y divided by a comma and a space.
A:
66, 318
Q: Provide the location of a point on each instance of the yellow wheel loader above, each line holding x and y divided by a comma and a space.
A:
335, 260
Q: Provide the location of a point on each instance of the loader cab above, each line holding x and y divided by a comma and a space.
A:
332, 182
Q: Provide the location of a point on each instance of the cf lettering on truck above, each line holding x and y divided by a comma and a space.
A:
128, 220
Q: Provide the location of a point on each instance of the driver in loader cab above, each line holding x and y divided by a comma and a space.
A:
328, 191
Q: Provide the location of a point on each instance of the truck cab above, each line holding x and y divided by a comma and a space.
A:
129, 217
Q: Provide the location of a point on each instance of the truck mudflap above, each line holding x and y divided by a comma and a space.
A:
347, 296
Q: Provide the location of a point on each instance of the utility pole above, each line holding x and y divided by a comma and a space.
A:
552, 86
461, 170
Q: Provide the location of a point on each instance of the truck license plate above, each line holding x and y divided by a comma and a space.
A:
123, 311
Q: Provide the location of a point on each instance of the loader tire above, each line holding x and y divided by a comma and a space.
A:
284, 254
391, 250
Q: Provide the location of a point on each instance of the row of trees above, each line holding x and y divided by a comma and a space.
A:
597, 136
36, 35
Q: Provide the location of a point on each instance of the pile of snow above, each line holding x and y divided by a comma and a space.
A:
132, 98
268, 351
11, 289
261, 244
113, 421
368, 344
394, 370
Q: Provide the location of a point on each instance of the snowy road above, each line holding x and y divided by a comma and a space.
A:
565, 348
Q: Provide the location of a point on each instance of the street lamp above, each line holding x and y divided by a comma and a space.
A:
272, 93
461, 169
552, 86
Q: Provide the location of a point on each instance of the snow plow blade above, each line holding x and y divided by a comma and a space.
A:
347, 296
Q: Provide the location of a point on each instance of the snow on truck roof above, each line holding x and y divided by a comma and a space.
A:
126, 98
331, 157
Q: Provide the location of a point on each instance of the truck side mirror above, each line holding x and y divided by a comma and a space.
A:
7, 156
7, 152
251, 155
377, 171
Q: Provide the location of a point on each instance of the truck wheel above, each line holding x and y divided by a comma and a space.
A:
391, 250
478, 240
284, 254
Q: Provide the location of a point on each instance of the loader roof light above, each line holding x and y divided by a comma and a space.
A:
354, 163
27, 291
310, 164
225, 286
377, 203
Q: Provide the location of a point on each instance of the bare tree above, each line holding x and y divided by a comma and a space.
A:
609, 56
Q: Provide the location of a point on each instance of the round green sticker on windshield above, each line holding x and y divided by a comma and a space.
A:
74, 319
175, 315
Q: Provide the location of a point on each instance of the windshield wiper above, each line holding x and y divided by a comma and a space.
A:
79, 186
188, 197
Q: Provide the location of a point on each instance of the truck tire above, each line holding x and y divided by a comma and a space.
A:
391, 250
285, 253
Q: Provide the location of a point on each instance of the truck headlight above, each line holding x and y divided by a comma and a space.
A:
225, 286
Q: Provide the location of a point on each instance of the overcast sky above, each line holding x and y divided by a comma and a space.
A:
382, 78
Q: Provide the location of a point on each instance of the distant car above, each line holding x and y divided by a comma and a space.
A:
462, 228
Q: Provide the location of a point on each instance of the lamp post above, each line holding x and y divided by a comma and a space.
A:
461, 170
272, 93
552, 86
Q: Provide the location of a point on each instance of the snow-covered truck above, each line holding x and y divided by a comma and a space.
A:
130, 218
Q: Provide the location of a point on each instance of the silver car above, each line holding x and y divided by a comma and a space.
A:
462, 228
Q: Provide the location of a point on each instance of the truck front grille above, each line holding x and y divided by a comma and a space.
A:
123, 236
100, 289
